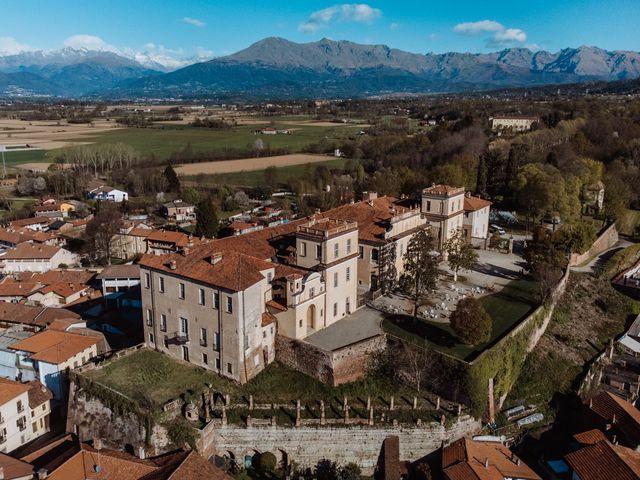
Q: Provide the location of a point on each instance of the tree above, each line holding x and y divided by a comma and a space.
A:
207, 223
100, 230
545, 260
267, 462
173, 182
420, 268
471, 322
271, 176
460, 254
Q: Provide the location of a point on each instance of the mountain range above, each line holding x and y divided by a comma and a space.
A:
278, 68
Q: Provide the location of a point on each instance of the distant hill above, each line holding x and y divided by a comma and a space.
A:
279, 68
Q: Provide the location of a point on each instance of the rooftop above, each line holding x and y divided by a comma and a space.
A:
627, 417
30, 221
29, 315
471, 204
443, 190
14, 468
120, 271
38, 394
604, 460
10, 389
28, 251
53, 346
326, 226
165, 236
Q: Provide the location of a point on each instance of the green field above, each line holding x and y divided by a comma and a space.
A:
27, 156
162, 140
256, 177
506, 308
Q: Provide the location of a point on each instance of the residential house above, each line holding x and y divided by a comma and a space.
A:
130, 241
161, 242
479, 460
35, 318
597, 459
206, 305
476, 218
11, 237
37, 224
65, 458
443, 207
616, 414
51, 288
179, 211
117, 280
50, 353
513, 123
31, 257
107, 193
14, 469
9, 336
24, 413
593, 198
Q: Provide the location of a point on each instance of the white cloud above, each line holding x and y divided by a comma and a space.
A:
501, 35
90, 42
194, 21
394, 26
346, 12
10, 46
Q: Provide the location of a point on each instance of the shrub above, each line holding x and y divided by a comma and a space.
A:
267, 462
471, 322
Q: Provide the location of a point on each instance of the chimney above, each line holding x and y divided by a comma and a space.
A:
185, 251
42, 474
97, 443
215, 258
1, 473
172, 265
141, 452
486, 462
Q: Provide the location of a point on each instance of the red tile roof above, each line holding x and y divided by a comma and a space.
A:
28, 315
604, 460
10, 389
627, 417
28, 251
471, 204
443, 190
54, 346
177, 238
14, 468
590, 437
38, 394
30, 221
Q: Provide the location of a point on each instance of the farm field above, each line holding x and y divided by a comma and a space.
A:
253, 178
248, 164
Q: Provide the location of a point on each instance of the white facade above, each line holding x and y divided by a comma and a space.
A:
22, 421
517, 124
61, 257
476, 223
108, 194
443, 207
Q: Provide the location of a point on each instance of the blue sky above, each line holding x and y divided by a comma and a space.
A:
174, 32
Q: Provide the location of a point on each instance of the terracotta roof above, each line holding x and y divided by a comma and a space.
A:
140, 232
28, 315
177, 238
237, 226
276, 306
604, 460
13, 468
186, 466
443, 190
234, 271
63, 289
267, 319
120, 271
471, 204
38, 394
10, 389
53, 346
15, 289
29, 251
500, 461
627, 417
590, 437
30, 221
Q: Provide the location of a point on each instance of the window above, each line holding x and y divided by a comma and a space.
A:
216, 300
318, 252
205, 359
335, 279
201, 296
428, 205
303, 249
348, 274
185, 353
184, 327
35, 427
336, 250
300, 323
348, 246
19, 406
335, 309
217, 364
151, 337
229, 304
149, 317
216, 341
161, 284
147, 280
181, 290
374, 254
229, 369
203, 337
312, 292
361, 252
163, 322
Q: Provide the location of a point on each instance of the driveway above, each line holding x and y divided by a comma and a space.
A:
360, 325
599, 260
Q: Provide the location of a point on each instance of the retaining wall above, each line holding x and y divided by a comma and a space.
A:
607, 239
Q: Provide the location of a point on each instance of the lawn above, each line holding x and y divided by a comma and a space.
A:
506, 308
150, 375
254, 178
26, 156
162, 140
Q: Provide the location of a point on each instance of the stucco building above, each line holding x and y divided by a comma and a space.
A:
476, 218
443, 208
31, 257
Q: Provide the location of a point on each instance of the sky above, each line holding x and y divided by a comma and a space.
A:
177, 32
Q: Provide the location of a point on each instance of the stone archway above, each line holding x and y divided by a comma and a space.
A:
311, 317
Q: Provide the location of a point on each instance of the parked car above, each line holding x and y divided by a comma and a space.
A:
493, 228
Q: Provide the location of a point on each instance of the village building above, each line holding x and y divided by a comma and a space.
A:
51, 288
443, 207
35, 318
479, 460
513, 123
476, 218
161, 242
51, 352
24, 413
31, 257
130, 241
37, 224
11, 237
14, 469
617, 416
108, 194
179, 211
593, 198
117, 280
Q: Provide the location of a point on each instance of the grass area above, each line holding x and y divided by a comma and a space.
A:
18, 204
254, 178
506, 308
26, 156
629, 223
150, 375
162, 140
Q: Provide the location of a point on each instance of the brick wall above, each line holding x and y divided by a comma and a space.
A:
607, 239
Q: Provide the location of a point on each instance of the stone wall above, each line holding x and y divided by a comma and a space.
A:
343, 365
607, 239
306, 446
